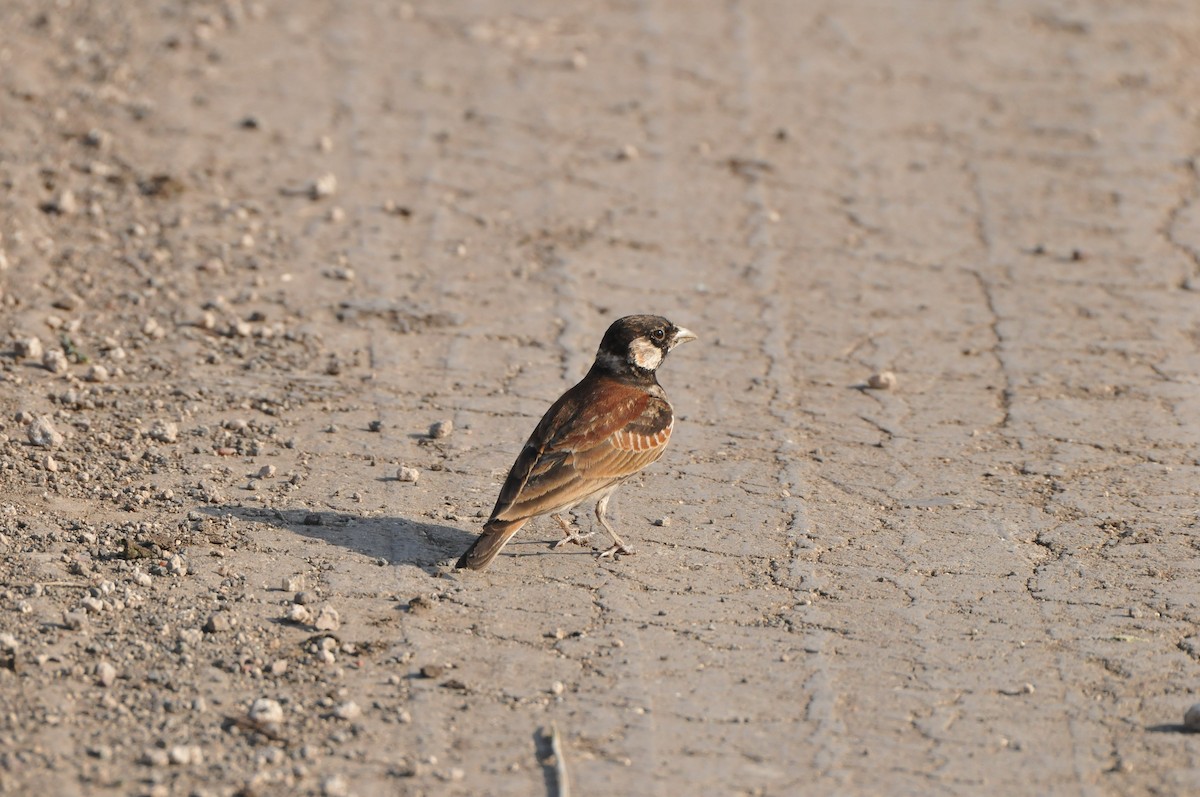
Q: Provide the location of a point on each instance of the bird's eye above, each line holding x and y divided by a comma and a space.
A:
658, 334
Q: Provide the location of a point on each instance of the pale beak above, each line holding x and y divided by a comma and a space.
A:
682, 336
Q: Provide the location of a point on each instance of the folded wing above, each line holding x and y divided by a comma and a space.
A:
584, 445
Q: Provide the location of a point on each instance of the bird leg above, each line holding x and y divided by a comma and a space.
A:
571, 534
619, 546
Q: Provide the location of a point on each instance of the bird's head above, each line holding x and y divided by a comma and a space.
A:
637, 344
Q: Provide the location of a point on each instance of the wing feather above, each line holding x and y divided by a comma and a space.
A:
598, 434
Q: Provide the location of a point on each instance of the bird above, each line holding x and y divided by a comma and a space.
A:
608, 427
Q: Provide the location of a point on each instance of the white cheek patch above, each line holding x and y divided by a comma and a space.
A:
645, 354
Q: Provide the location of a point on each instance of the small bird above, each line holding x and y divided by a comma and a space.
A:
615, 422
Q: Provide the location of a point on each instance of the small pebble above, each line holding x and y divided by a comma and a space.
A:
292, 583
29, 348
220, 621
142, 579
106, 674
323, 186
92, 605
279, 666
299, 614
97, 138
441, 429
163, 431
183, 754
73, 621
305, 597
327, 619
432, 671
313, 519
50, 464
55, 362
347, 711
155, 757
663, 521
407, 474
65, 203
96, 373
884, 380
177, 565
375, 426
100, 751
335, 786
266, 472
266, 711
69, 302
41, 432
1191, 718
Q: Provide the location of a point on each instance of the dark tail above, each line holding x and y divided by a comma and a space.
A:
485, 549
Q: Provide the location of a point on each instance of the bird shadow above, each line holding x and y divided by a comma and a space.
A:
395, 540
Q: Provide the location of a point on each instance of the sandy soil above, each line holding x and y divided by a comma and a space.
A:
262, 246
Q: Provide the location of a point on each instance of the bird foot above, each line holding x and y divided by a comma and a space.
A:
618, 550
575, 537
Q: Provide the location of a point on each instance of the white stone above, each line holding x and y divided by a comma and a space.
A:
266, 711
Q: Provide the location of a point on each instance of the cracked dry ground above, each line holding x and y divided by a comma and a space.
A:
983, 580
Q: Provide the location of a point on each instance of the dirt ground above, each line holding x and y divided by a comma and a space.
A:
263, 246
